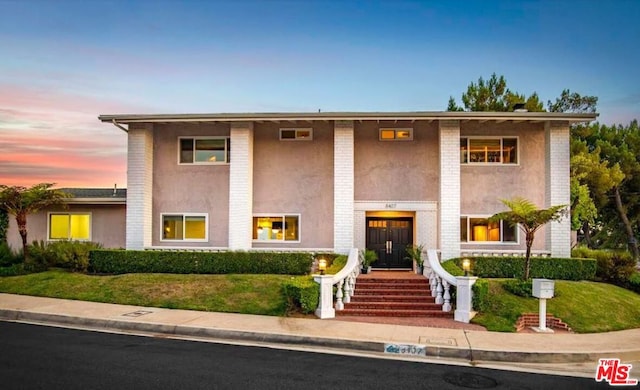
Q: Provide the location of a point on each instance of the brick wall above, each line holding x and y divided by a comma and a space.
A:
343, 187
449, 189
557, 189
139, 186
241, 186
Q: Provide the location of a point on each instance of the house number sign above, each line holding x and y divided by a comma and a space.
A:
406, 349
390, 205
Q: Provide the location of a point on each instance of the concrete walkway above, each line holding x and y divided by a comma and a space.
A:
572, 354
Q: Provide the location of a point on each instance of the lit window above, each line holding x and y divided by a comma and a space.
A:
184, 227
396, 134
70, 226
296, 134
489, 150
214, 150
276, 228
479, 229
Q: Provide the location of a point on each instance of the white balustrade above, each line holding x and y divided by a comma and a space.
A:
345, 281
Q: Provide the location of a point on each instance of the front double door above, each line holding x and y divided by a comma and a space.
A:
389, 237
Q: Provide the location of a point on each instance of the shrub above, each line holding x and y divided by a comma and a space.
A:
541, 267
7, 257
634, 282
302, 294
612, 266
338, 264
73, 255
480, 297
13, 270
521, 288
451, 267
184, 262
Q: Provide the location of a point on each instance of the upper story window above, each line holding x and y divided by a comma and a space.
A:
70, 226
184, 227
204, 150
393, 134
295, 134
489, 150
480, 230
276, 227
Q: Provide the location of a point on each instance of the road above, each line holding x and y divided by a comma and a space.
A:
41, 357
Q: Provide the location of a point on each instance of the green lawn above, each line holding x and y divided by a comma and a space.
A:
587, 307
249, 294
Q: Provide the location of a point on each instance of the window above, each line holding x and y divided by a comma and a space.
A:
70, 226
396, 134
488, 150
479, 229
276, 228
296, 134
201, 150
184, 227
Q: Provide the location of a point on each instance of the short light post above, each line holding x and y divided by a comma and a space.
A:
322, 266
466, 266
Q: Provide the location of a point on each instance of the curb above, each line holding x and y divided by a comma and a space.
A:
468, 354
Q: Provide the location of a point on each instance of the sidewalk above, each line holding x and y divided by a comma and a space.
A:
472, 346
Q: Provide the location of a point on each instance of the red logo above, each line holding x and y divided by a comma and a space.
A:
614, 372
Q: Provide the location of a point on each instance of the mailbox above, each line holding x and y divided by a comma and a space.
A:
543, 288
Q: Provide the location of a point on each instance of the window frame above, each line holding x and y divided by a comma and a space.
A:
487, 163
395, 134
283, 216
89, 213
227, 150
296, 136
503, 223
184, 217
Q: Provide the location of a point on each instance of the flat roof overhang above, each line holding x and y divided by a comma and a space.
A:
480, 116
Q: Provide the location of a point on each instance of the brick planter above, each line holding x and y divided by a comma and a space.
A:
528, 320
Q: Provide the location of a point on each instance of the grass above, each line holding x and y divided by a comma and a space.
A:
587, 307
249, 294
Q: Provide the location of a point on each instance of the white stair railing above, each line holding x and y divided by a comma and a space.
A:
442, 280
345, 281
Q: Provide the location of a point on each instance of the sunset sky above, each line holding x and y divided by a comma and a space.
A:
63, 63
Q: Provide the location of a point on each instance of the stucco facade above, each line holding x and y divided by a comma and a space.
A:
347, 179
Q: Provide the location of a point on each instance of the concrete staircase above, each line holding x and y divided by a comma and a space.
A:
405, 295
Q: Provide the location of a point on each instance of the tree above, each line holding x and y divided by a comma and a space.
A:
21, 201
4, 226
493, 95
529, 219
573, 102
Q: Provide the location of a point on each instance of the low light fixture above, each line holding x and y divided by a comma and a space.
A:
466, 266
322, 266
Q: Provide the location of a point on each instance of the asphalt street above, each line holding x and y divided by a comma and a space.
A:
41, 357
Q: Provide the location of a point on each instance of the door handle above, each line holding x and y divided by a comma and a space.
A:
390, 247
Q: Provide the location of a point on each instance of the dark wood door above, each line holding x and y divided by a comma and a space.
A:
389, 237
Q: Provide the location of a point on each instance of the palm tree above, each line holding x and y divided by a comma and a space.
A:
21, 201
529, 218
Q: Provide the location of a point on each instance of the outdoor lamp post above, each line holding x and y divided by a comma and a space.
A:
322, 266
466, 266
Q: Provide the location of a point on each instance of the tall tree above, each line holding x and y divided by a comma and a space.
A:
573, 102
529, 219
493, 95
21, 201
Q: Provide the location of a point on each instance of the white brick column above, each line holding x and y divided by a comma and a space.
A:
449, 189
343, 187
557, 189
241, 186
139, 187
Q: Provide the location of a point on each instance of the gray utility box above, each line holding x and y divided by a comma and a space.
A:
543, 288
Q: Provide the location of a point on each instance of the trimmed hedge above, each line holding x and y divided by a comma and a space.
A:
184, 262
302, 293
480, 297
541, 267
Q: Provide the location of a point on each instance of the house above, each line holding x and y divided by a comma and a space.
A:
334, 181
92, 214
